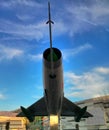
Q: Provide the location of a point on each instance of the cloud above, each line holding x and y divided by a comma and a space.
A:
72, 52
83, 16
8, 53
59, 28
2, 96
37, 57
22, 24
93, 13
11, 3
78, 20
88, 84
102, 70
19, 31
24, 17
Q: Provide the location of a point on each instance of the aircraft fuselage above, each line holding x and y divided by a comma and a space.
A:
53, 81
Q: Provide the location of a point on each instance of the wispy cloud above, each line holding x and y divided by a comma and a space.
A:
87, 85
37, 57
102, 70
72, 52
11, 3
29, 27
59, 28
31, 31
75, 19
83, 16
2, 96
25, 17
7, 53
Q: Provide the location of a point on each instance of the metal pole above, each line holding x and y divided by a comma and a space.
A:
77, 126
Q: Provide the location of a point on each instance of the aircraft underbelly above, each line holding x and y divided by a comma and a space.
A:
54, 88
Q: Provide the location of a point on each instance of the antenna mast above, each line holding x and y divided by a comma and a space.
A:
50, 33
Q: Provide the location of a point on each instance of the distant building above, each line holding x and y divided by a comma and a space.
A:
98, 107
9, 121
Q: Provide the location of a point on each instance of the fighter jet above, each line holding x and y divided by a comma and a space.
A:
53, 102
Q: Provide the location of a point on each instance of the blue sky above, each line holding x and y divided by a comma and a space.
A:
80, 31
